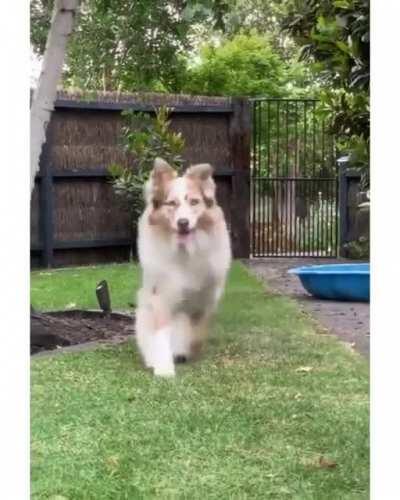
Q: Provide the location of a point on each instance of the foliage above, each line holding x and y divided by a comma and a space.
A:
121, 44
246, 421
317, 230
334, 35
145, 138
358, 149
149, 45
358, 249
227, 18
245, 65
348, 114
211, 12
253, 14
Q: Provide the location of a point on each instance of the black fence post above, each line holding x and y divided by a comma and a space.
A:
343, 164
46, 204
240, 134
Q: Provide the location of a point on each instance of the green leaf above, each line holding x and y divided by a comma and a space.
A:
342, 4
343, 47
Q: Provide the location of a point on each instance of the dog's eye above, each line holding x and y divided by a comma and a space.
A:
194, 201
171, 203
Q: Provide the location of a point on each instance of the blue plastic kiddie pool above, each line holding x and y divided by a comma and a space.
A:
336, 281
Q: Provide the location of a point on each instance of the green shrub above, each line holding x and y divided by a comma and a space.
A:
334, 36
357, 249
246, 65
145, 138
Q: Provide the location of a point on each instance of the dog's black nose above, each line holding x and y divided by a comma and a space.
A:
183, 224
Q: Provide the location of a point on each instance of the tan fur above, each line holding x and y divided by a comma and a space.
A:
202, 176
161, 177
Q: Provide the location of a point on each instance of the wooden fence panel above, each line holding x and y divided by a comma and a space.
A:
88, 211
206, 138
75, 216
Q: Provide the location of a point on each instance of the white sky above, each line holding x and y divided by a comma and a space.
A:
34, 70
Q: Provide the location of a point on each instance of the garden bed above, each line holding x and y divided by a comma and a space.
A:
58, 329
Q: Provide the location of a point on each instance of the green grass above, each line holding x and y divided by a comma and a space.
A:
249, 421
75, 287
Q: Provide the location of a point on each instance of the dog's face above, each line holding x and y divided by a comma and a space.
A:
180, 205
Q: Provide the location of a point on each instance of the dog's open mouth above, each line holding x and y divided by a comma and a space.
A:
184, 235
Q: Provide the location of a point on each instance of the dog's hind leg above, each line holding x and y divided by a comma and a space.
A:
181, 338
145, 329
199, 333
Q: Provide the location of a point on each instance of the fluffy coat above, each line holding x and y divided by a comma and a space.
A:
185, 255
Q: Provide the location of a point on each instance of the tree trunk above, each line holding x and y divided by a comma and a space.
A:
41, 108
45, 94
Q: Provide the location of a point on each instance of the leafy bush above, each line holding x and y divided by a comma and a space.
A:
145, 138
334, 36
358, 249
349, 123
246, 65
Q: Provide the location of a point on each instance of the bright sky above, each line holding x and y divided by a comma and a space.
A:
34, 69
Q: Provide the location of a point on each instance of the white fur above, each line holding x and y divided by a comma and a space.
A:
181, 336
185, 280
178, 191
161, 353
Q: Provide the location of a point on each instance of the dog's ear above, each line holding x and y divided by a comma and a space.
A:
161, 175
202, 174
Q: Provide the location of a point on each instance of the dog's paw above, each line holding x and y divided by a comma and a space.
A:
164, 371
180, 358
148, 364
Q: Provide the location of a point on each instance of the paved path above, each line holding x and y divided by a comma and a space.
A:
348, 320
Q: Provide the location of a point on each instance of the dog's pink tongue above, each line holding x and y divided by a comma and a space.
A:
183, 239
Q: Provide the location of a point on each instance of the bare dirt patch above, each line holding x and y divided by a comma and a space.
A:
54, 330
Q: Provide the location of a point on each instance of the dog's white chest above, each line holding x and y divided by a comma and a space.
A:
190, 288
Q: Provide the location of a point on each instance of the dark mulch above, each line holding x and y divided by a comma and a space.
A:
57, 329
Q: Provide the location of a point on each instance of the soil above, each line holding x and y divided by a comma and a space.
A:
58, 329
348, 320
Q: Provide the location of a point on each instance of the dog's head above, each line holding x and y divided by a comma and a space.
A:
180, 205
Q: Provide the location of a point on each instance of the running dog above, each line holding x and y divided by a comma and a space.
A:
185, 255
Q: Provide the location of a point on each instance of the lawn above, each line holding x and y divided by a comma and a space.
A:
274, 410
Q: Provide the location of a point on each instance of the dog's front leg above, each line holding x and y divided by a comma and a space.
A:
161, 348
162, 358
153, 334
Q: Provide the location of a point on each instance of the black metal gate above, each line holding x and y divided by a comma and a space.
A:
294, 183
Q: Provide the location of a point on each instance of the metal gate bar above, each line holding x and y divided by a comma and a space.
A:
294, 184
